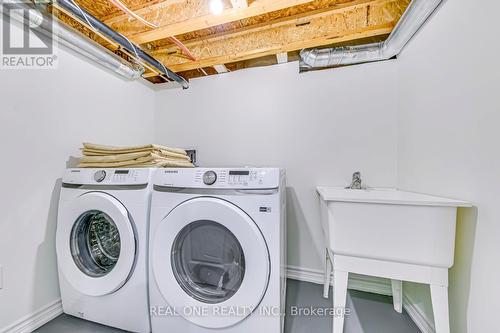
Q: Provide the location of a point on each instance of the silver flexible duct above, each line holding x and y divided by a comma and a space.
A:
414, 17
44, 24
123, 41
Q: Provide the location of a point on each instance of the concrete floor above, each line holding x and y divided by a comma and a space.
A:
369, 314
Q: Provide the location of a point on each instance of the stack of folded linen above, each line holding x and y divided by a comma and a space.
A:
146, 156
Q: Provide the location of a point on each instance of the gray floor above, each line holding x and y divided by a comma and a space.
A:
368, 314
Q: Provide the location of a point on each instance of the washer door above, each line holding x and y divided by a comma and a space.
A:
96, 244
210, 262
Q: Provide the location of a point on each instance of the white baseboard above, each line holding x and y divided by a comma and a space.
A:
356, 282
36, 319
367, 284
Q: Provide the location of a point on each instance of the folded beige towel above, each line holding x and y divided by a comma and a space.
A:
131, 149
115, 164
170, 154
172, 164
103, 156
113, 158
139, 164
92, 152
88, 152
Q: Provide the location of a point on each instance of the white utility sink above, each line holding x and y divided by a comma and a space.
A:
392, 234
389, 224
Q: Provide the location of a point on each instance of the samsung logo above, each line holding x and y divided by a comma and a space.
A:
75, 171
171, 171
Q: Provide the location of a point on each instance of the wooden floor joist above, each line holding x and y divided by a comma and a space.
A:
324, 28
305, 18
194, 15
252, 52
247, 33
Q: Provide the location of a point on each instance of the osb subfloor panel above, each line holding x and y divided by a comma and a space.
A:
241, 38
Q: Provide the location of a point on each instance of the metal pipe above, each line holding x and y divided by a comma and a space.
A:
44, 24
123, 41
412, 20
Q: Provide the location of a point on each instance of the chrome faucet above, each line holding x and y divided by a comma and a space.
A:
356, 182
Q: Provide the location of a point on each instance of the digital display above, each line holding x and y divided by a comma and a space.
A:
239, 173
121, 172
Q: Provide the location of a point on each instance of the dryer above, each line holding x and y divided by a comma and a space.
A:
102, 242
217, 252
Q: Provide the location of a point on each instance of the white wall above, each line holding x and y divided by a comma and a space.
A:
449, 145
320, 126
44, 118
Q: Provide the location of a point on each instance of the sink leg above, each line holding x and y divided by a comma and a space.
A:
340, 280
397, 295
328, 273
440, 307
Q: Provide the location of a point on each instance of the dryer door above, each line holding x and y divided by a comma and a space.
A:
210, 262
96, 245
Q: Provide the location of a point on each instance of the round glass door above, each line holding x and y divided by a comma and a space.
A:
207, 254
95, 243
208, 261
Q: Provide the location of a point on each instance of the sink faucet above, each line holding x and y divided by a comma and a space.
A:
356, 182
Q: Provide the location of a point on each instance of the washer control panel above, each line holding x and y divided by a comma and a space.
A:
107, 176
245, 177
221, 178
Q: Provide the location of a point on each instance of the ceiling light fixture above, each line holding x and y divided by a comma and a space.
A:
216, 7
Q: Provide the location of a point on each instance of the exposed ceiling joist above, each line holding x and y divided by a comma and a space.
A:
249, 52
247, 30
300, 20
305, 18
291, 33
182, 18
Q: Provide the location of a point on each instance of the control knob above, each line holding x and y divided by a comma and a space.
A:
99, 176
209, 177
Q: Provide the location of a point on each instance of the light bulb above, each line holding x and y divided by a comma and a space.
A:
216, 7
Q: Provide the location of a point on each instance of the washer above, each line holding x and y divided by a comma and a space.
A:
102, 243
217, 252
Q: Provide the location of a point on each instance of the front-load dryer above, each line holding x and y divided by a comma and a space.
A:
102, 242
217, 251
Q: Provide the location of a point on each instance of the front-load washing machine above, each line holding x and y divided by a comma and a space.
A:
217, 252
102, 242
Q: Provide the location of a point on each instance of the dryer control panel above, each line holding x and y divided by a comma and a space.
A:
219, 178
107, 176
